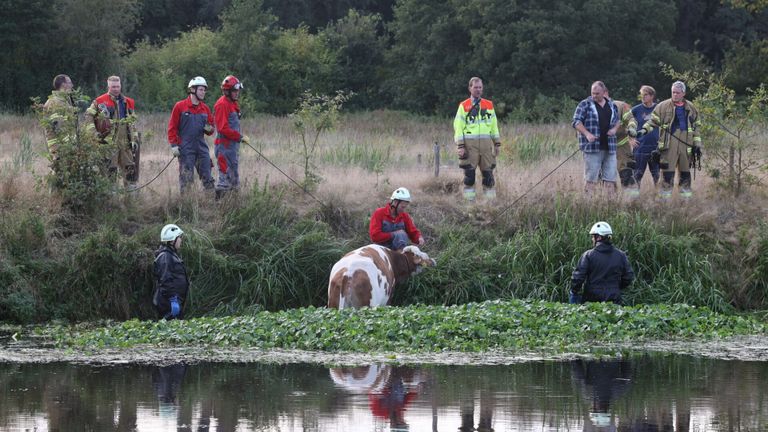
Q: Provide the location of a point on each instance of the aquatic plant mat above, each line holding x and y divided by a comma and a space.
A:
492, 332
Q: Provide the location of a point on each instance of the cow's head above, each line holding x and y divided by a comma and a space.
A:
418, 259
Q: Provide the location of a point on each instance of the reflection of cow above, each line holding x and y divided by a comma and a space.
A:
390, 389
367, 276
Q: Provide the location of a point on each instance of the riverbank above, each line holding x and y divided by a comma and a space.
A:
493, 332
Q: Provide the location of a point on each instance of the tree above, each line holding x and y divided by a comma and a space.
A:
26, 68
732, 128
359, 51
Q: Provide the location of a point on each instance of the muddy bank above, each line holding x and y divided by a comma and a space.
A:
747, 348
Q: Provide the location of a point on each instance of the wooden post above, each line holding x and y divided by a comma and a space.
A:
418, 159
437, 159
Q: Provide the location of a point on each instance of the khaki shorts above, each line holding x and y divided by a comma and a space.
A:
480, 154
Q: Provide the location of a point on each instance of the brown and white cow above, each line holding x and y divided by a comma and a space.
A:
367, 276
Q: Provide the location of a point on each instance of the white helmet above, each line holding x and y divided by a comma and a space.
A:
170, 233
197, 81
602, 229
401, 194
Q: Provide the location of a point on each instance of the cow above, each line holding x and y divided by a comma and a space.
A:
367, 276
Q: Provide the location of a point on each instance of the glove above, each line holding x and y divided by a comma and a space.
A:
208, 128
245, 140
632, 132
175, 151
640, 133
175, 306
574, 298
697, 151
656, 156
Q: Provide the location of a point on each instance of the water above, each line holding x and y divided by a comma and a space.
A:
642, 393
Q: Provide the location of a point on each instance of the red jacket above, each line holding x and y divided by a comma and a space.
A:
107, 100
227, 117
382, 214
186, 107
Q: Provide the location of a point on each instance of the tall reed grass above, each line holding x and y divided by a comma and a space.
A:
271, 247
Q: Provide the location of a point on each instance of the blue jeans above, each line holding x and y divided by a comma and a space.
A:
642, 159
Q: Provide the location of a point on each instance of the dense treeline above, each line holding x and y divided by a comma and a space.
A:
417, 55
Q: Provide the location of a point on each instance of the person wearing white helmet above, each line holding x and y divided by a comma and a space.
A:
392, 226
171, 280
603, 271
190, 119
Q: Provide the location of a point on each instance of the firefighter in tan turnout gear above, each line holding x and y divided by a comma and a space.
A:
476, 133
113, 116
679, 140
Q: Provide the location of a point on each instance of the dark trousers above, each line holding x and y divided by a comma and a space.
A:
643, 159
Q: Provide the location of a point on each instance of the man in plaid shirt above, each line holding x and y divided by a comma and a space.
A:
597, 119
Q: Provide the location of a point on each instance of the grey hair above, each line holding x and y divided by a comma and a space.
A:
600, 84
679, 85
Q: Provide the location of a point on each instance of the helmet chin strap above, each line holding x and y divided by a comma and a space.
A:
394, 205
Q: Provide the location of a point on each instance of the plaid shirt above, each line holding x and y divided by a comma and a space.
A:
586, 114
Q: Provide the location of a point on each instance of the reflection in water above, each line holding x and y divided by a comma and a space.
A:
390, 389
643, 393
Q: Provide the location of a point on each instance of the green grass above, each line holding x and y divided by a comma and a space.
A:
506, 326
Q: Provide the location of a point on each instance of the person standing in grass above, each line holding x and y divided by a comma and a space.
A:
190, 119
603, 271
228, 137
597, 121
60, 118
119, 110
476, 133
391, 226
679, 140
625, 144
648, 143
171, 280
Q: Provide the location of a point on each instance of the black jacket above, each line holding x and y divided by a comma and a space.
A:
170, 277
604, 271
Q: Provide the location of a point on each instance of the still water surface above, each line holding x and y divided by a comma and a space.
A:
639, 393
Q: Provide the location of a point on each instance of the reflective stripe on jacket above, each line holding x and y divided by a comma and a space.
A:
475, 121
664, 115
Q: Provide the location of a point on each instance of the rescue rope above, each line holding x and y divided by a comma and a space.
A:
287, 176
129, 190
504, 210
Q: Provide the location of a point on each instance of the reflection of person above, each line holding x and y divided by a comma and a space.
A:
390, 402
476, 133
603, 271
167, 381
170, 275
392, 226
597, 120
190, 119
118, 108
601, 383
390, 389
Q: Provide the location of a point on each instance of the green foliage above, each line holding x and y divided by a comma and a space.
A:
161, 73
317, 113
534, 256
518, 49
746, 66
359, 49
732, 128
475, 327
298, 62
79, 171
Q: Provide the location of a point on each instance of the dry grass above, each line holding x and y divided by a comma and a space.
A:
410, 139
